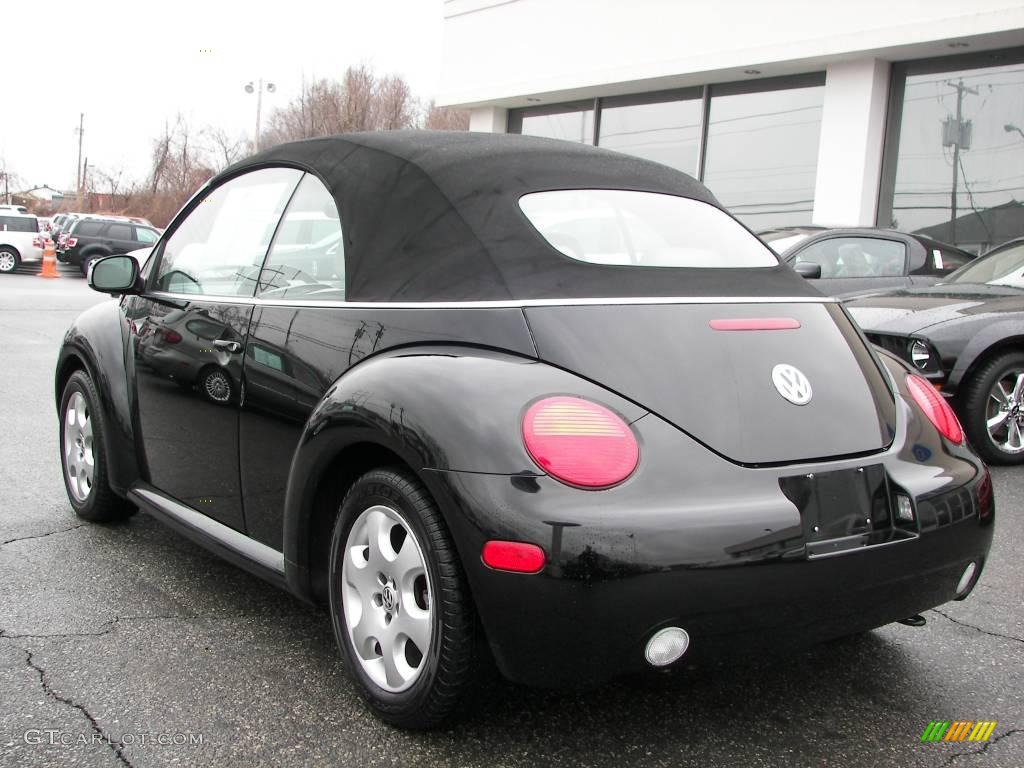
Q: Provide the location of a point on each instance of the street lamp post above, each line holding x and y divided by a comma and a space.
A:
258, 89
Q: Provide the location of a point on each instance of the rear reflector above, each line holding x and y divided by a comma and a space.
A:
935, 408
755, 324
514, 556
580, 442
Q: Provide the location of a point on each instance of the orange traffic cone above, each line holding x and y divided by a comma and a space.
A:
49, 261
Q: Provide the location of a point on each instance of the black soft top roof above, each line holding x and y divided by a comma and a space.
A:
434, 216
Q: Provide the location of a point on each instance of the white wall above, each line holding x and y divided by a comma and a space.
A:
499, 52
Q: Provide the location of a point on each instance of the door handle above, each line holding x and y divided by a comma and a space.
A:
230, 346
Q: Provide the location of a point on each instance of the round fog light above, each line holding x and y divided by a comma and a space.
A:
666, 646
967, 578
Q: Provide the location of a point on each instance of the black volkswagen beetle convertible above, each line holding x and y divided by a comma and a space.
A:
494, 395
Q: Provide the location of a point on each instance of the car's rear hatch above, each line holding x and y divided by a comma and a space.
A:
703, 367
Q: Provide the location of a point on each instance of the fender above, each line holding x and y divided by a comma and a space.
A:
987, 335
437, 408
97, 340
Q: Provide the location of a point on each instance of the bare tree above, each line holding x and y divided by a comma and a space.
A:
360, 101
445, 118
224, 150
395, 106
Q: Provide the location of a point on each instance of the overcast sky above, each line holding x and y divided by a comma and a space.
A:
129, 69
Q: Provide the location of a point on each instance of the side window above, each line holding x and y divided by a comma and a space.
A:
143, 235
307, 258
823, 253
119, 232
87, 228
857, 257
218, 248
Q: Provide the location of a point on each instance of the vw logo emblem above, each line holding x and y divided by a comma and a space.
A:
388, 598
791, 384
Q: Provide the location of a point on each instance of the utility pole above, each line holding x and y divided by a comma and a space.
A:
958, 136
78, 165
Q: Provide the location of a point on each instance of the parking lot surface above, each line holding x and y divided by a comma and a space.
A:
128, 645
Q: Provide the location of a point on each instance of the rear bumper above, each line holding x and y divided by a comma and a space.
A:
717, 549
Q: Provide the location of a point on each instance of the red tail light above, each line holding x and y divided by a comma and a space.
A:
515, 556
579, 442
71, 242
172, 337
37, 242
935, 408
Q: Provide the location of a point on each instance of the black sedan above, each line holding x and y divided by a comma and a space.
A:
842, 261
504, 396
966, 336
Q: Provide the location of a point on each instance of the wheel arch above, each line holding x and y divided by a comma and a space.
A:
982, 357
95, 344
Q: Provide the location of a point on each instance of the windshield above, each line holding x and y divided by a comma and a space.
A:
1004, 267
643, 229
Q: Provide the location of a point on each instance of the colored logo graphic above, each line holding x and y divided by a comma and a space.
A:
958, 730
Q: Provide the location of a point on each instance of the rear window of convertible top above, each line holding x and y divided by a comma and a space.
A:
642, 229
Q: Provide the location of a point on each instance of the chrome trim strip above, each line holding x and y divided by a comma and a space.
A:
507, 304
220, 534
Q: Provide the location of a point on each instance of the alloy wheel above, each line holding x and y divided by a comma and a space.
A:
386, 595
217, 387
1004, 415
7, 261
79, 459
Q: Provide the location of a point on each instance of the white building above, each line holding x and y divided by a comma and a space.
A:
791, 111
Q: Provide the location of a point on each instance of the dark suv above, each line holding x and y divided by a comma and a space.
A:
91, 238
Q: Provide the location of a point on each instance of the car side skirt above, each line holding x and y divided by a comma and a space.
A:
235, 547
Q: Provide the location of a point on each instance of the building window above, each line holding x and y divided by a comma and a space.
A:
666, 130
569, 122
954, 167
757, 152
762, 150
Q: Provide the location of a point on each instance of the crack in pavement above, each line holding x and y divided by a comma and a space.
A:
116, 747
984, 748
43, 535
111, 623
977, 629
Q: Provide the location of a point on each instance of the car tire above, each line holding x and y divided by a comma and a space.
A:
216, 385
993, 409
429, 598
9, 259
82, 441
87, 260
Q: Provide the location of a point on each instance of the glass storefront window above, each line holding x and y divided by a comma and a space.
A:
667, 132
762, 153
569, 123
960, 183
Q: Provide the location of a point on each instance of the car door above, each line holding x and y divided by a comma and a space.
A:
855, 263
118, 238
191, 327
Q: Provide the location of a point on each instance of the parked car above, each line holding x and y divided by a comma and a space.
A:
464, 441
966, 336
60, 233
91, 238
11, 208
841, 261
20, 241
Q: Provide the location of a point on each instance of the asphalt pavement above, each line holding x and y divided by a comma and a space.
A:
128, 645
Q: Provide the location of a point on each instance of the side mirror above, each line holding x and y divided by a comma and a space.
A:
115, 274
808, 270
